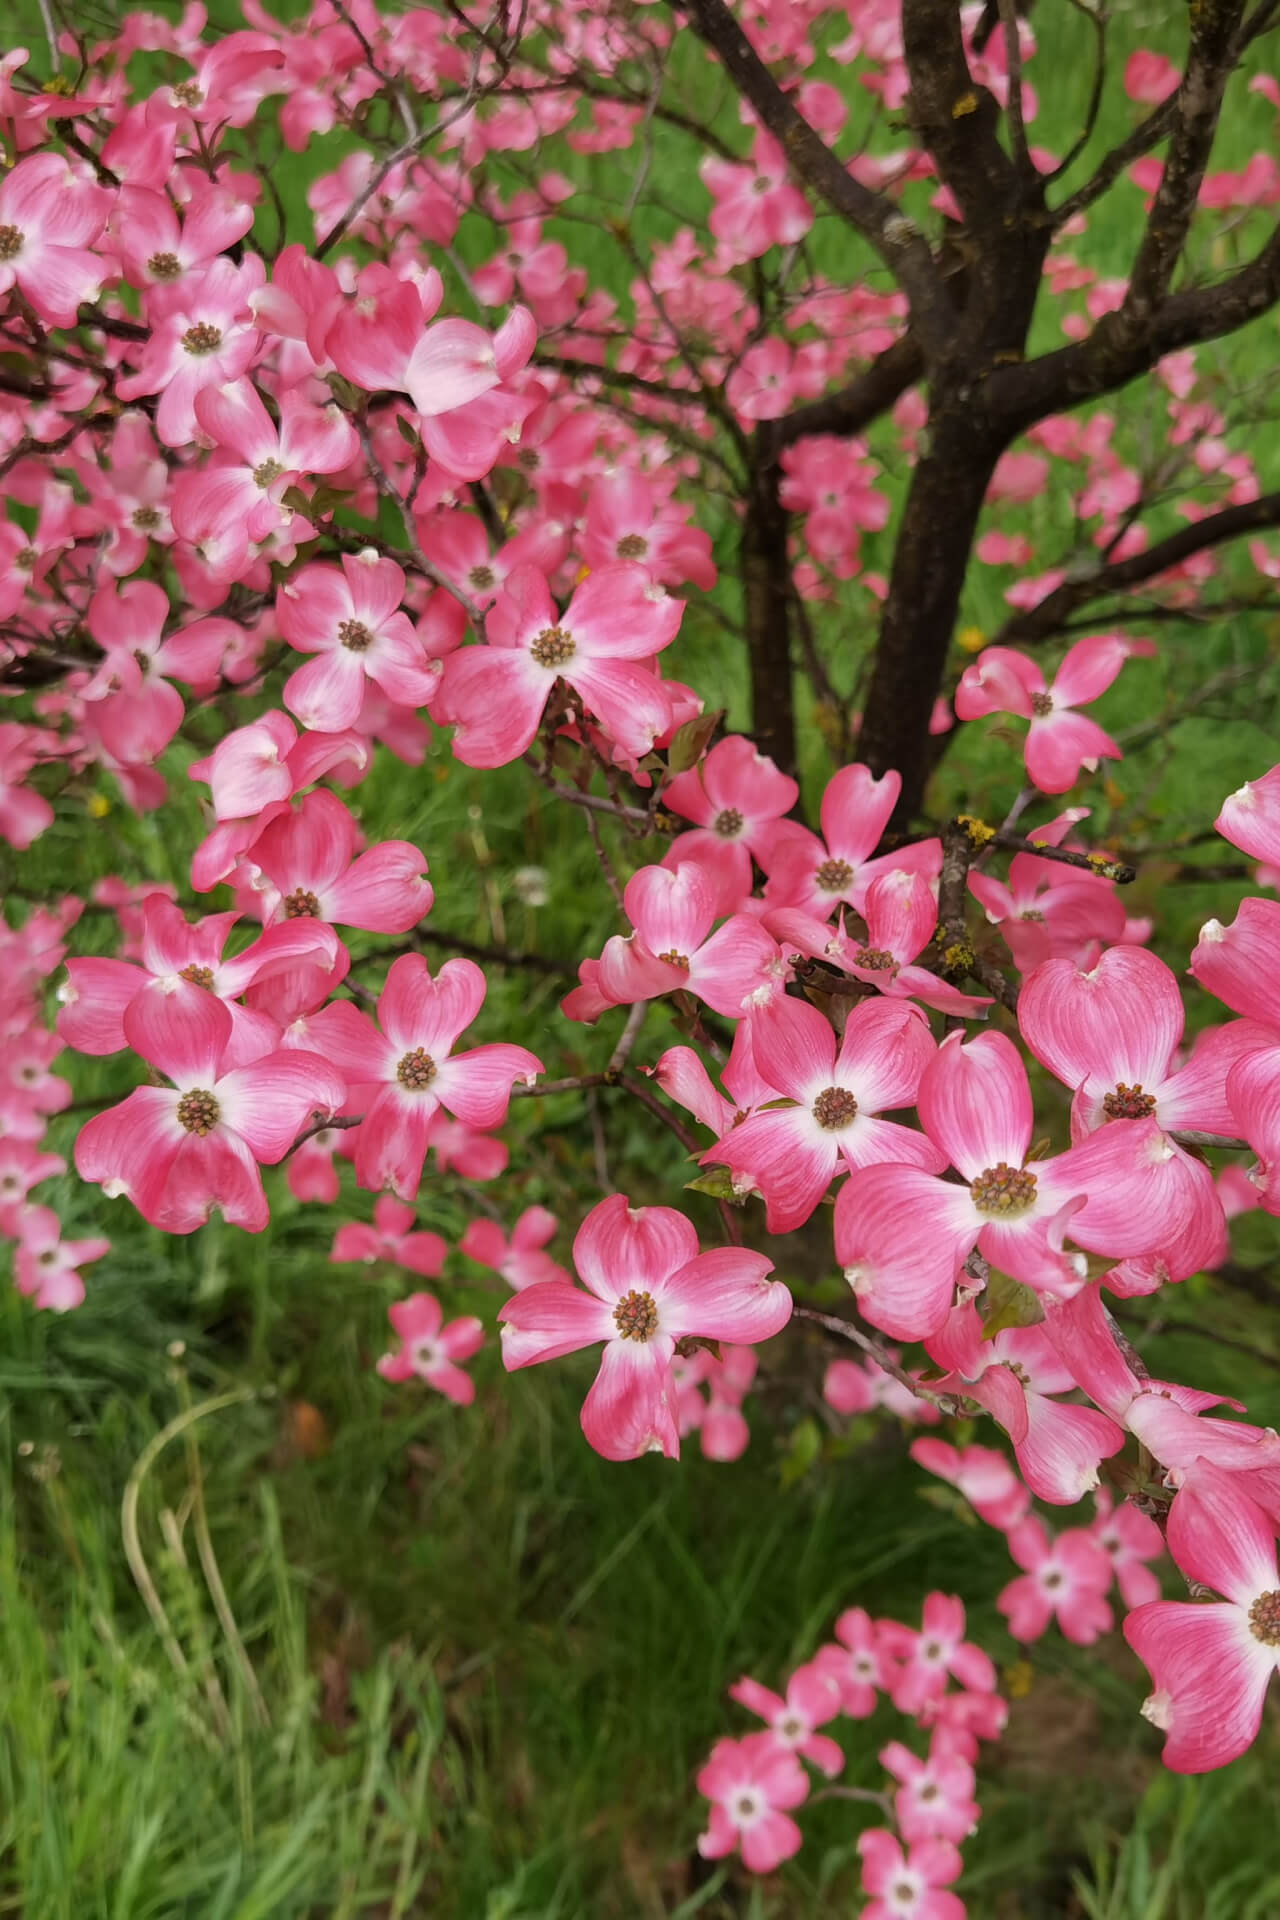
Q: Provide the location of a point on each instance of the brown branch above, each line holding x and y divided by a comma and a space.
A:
844, 1330
855, 406
1048, 618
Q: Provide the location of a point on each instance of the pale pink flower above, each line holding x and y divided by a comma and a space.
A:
430, 1351
1130, 1539
756, 206
400, 1077
390, 1238
46, 1267
751, 1784
1060, 740
647, 1288
1066, 1578
523, 1260
911, 1885
812, 1698
22, 1166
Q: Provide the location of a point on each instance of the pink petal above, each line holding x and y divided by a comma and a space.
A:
476, 1085
1091, 665
1250, 818
180, 1028
1222, 1538
725, 1295
974, 1100
416, 1010
1060, 744
619, 1247
1210, 1677
855, 811
782, 1154
630, 1408
550, 1319
270, 1102
902, 1237
1118, 1022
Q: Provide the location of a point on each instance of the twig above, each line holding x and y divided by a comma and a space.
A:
843, 1330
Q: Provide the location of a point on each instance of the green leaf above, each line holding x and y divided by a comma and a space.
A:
803, 1448
690, 742
718, 1182
1009, 1304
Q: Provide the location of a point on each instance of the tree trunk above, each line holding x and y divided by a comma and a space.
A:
931, 557
766, 583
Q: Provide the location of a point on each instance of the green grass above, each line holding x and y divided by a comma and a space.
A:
373, 1656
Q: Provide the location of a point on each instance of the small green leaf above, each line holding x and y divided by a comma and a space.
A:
690, 742
803, 1448
1009, 1304
718, 1182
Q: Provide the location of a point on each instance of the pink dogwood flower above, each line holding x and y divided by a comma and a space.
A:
22, 1166
523, 1260
1066, 1578
1046, 910
814, 874
431, 1351
735, 797
401, 1075
306, 859
792, 1153
617, 620
751, 1784
674, 950
179, 1151
1211, 1664
1129, 1539
390, 1238
982, 1475
350, 619
910, 1885
1250, 818
46, 1267
1060, 740
647, 1287
934, 1800
202, 335
922, 1660
50, 216
859, 1663
812, 1698
723, 1433
901, 915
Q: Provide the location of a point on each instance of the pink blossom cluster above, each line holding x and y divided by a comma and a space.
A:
756, 1782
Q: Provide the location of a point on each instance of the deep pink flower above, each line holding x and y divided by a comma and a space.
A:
1065, 1578
523, 1261
22, 1166
850, 1386
812, 1698
792, 1153
50, 214
430, 1351
400, 1077
736, 798
902, 1234
901, 915
756, 206
625, 521
390, 1238
674, 950
616, 621
1130, 1539
306, 856
647, 1287
1211, 1664
24, 814
202, 335
1060, 741
179, 1151
911, 1885
350, 619
815, 874
751, 1783
1250, 818
1046, 910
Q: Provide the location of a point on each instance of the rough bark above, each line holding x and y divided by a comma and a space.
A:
766, 587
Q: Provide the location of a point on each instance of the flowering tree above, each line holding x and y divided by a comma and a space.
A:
466, 438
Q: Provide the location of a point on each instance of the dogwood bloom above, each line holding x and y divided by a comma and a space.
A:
934, 1800
617, 620
50, 216
791, 1153
400, 1076
814, 874
646, 1287
431, 1351
751, 1784
922, 1660
910, 1885
813, 1698
1060, 740
350, 619
1211, 1664
45, 1266
1066, 1578
390, 1238
859, 1663
523, 1260
179, 1151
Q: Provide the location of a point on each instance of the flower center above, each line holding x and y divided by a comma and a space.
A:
790, 1728
416, 1070
188, 94
10, 242
481, 578
48, 1257
746, 1807
1041, 704
1052, 1581
632, 546
145, 518
164, 266
834, 1108
553, 646
674, 959
202, 338
25, 557
1004, 1190
198, 1112
833, 876
268, 471
1129, 1103
1264, 1619
301, 905
874, 959
529, 458
355, 636
636, 1316
1034, 915
728, 823
198, 976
